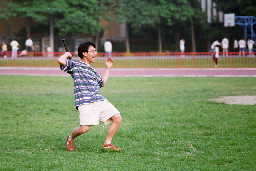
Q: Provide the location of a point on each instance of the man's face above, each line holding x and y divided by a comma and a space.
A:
91, 54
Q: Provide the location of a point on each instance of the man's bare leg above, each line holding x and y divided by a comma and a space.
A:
117, 119
77, 131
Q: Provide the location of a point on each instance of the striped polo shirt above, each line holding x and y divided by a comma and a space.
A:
87, 82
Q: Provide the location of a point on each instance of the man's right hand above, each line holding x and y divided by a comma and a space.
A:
68, 55
62, 59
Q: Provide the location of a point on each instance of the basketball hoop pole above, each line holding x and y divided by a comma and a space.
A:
226, 29
244, 22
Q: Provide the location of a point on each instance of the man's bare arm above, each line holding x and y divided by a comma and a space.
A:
63, 58
109, 63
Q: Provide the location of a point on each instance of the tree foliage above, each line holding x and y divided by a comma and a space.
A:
153, 14
71, 16
81, 17
23, 9
175, 10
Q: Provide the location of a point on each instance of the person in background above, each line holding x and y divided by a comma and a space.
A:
235, 46
250, 44
182, 46
14, 44
242, 47
108, 48
4, 50
29, 44
225, 46
215, 49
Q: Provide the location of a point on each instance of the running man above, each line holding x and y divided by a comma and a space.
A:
92, 106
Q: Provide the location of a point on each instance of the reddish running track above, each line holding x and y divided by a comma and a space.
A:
154, 72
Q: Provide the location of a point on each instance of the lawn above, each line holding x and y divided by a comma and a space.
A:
168, 124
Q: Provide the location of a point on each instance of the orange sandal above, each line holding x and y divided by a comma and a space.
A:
110, 147
70, 145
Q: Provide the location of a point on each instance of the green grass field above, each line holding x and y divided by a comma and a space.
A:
168, 124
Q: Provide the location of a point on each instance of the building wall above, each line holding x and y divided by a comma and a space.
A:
213, 15
112, 29
10, 28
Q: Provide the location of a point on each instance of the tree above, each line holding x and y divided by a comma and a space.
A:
83, 17
70, 17
80, 17
37, 10
49, 9
155, 14
196, 15
174, 13
27, 9
135, 14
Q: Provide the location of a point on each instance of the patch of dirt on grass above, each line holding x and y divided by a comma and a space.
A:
240, 100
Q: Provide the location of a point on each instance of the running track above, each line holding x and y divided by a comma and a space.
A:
154, 72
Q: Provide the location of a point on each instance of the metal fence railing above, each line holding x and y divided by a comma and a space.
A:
137, 60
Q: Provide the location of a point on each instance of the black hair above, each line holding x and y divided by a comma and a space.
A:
83, 47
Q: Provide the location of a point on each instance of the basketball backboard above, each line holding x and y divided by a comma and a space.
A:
229, 20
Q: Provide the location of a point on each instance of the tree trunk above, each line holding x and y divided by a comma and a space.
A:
177, 41
51, 34
28, 23
159, 38
127, 42
97, 39
192, 31
193, 35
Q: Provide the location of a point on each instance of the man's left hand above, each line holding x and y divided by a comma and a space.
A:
109, 63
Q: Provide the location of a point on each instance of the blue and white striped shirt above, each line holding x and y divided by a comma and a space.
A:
87, 82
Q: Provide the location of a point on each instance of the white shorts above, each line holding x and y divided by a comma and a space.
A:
93, 113
225, 47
